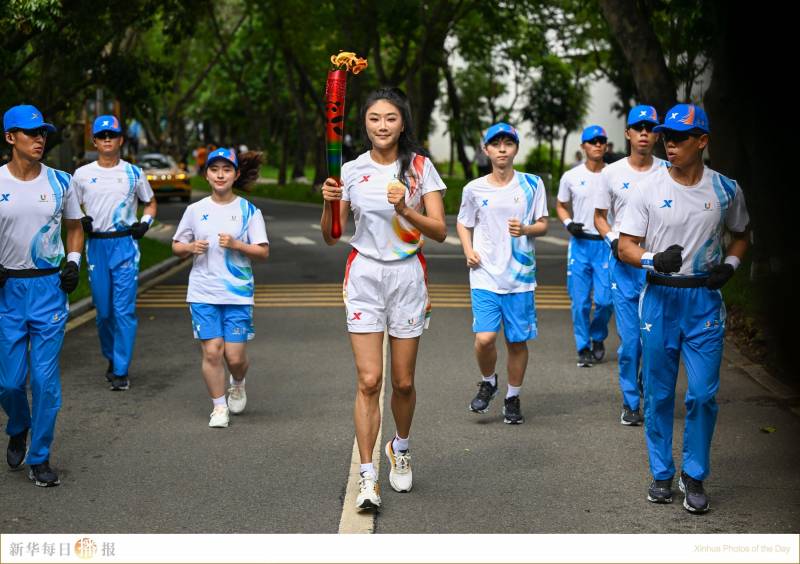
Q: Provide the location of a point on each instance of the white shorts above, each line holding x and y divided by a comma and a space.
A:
380, 295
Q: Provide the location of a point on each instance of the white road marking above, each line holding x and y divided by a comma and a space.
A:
352, 520
299, 240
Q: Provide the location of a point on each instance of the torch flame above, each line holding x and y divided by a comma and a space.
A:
349, 61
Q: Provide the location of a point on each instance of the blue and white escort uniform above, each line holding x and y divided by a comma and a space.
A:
221, 285
33, 307
620, 180
587, 259
502, 285
110, 196
679, 315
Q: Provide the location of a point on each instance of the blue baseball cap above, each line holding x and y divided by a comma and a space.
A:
25, 117
642, 113
685, 117
593, 131
500, 128
225, 154
106, 123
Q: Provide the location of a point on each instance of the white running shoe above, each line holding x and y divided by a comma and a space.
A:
368, 492
399, 468
237, 399
219, 417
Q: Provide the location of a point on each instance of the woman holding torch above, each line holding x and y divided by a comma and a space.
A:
396, 197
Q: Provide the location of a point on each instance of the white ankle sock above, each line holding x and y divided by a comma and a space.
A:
235, 382
399, 444
491, 379
513, 391
219, 401
369, 467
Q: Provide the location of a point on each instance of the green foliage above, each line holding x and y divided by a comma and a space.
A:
538, 161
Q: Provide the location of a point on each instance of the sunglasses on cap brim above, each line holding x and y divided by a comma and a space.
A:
107, 135
673, 136
642, 126
597, 141
36, 132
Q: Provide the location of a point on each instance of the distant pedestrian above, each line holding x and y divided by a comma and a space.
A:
500, 215
620, 180
682, 218
610, 155
396, 197
482, 162
223, 233
587, 255
35, 200
110, 189
578, 159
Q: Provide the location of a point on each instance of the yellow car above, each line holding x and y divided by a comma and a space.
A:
165, 176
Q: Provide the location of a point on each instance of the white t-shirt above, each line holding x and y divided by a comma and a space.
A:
221, 276
508, 264
111, 195
30, 218
580, 186
668, 213
619, 181
381, 234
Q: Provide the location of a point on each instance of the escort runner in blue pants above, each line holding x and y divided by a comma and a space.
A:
113, 274
587, 271
36, 201
681, 218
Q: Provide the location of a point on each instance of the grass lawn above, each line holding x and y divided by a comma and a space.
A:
152, 252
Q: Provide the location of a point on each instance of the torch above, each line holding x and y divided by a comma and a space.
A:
335, 90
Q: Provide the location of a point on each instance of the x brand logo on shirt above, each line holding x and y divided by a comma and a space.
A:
365, 178
667, 204
4, 197
205, 217
583, 183
626, 185
485, 203
93, 181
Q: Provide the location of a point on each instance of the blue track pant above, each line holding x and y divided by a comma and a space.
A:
626, 284
675, 322
33, 316
587, 275
114, 277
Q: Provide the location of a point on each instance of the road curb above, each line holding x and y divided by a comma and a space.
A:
734, 357
82, 306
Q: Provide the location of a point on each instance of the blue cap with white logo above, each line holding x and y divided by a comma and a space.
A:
592, 132
500, 128
25, 117
225, 154
685, 117
638, 114
106, 123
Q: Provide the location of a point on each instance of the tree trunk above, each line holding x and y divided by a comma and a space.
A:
456, 124
642, 49
563, 154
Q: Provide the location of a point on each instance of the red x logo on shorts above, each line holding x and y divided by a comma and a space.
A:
356, 316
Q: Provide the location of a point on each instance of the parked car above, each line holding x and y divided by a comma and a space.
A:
165, 176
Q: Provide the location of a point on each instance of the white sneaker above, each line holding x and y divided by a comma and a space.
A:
399, 469
368, 492
237, 399
219, 417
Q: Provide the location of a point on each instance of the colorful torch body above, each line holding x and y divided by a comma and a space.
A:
335, 90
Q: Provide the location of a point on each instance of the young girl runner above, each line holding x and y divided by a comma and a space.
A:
396, 197
223, 232
499, 216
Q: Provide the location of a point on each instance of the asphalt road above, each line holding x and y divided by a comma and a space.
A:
144, 461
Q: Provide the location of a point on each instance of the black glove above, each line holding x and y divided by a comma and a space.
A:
138, 229
719, 275
3, 275
86, 222
668, 261
575, 228
615, 248
69, 277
